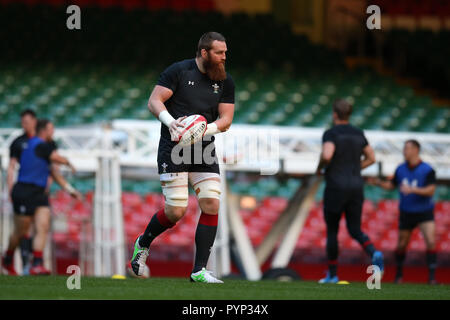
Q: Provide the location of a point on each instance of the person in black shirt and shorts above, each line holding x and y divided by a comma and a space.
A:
193, 86
342, 148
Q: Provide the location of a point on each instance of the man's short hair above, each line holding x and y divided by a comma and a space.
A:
41, 125
414, 142
28, 112
206, 41
343, 109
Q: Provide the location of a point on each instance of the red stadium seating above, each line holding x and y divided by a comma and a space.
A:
379, 221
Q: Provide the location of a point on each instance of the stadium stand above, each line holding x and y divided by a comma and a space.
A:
83, 97
75, 86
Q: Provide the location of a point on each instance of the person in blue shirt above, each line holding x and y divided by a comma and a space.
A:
416, 181
29, 196
28, 121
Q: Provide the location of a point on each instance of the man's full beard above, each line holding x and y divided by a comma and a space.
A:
215, 71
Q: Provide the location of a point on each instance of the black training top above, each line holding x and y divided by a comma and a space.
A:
344, 170
16, 147
44, 150
193, 93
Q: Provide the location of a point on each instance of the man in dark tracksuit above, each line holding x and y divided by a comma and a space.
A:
416, 181
342, 148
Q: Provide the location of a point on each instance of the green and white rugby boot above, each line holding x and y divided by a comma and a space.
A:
204, 276
139, 258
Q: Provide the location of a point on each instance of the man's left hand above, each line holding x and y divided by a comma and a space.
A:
405, 189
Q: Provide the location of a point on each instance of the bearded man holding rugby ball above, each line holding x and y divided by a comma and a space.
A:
198, 86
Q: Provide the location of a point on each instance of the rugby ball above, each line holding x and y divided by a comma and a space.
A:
193, 131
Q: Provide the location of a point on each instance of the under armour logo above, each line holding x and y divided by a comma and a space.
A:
164, 165
216, 88
191, 83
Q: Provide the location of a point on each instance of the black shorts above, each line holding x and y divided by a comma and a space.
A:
338, 201
27, 197
343, 200
408, 220
172, 162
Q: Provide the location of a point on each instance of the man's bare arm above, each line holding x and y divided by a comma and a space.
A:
59, 179
369, 157
156, 106
426, 191
55, 157
11, 172
157, 99
226, 114
385, 184
326, 155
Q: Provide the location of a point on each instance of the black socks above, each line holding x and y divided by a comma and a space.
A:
157, 225
204, 239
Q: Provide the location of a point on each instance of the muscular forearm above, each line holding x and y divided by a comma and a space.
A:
427, 191
366, 162
59, 179
322, 163
388, 185
223, 123
218, 126
10, 179
11, 173
159, 111
60, 159
156, 107
369, 157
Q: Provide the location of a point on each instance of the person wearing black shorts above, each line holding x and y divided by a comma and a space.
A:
342, 148
194, 86
29, 196
416, 181
28, 122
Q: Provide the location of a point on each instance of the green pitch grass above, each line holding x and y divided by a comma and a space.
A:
54, 287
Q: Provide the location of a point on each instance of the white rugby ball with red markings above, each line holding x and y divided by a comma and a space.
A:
193, 131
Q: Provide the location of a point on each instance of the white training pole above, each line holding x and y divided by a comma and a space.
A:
119, 226
105, 214
96, 220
